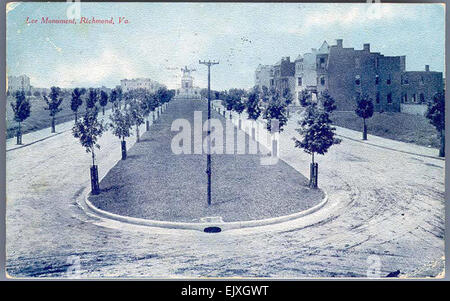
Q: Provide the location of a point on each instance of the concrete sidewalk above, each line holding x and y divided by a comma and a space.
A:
44, 134
372, 140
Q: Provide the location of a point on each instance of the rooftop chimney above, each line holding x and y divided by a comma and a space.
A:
339, 43
427, 68
367, 47
403, 62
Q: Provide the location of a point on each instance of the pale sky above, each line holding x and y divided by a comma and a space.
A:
160, 38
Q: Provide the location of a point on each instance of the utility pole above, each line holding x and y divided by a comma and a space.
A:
208, 155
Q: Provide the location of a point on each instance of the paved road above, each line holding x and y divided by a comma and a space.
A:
385, 207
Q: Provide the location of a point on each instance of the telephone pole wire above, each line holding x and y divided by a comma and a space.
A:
208, 155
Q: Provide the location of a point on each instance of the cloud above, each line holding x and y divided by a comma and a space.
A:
347, 16
108, 67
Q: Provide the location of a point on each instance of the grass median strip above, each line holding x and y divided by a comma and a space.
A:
156, 184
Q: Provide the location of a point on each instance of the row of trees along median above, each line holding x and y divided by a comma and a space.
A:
315, 124
136, 109
269, 104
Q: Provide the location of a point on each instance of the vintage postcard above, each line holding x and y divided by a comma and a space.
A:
225, 140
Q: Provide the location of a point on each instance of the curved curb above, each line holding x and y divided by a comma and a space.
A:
201, 226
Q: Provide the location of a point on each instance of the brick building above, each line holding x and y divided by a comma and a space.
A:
347, 73
283, 75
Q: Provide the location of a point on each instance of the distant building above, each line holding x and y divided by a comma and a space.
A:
283, 75
264, 76
417, 88
307, 68
16, 83
139, 83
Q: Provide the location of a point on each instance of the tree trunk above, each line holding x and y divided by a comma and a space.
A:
137, 133
103, 110
364, 129
19, 135
76, 116
147, 125
442, 146
95, 187
313, 173
124, 149
53, 124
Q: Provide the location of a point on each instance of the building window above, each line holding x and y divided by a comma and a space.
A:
388, 80
357, 63
299, 81
422, 81
357, 80
405, 97
414, 98
389, 98
377, 79
322, 80
404, 80
377, 98
422, 98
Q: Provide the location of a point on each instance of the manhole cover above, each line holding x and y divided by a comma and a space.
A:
212, 230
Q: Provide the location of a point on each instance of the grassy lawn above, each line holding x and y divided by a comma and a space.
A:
156, 184
39, 117
397, 126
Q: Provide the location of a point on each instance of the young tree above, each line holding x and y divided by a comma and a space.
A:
103, 100
327, 102
113, 98
119, 96
253, 108
121, 125
76, 101
228, 103
239, 107
317, 136
137, 114
163, 95
436, 114
53, 104
288, 98
150, 104
276, 109
92, 98
305, 98
88, 131
364, 109
22, 110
